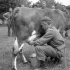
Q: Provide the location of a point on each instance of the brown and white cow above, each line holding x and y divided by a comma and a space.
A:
26, 21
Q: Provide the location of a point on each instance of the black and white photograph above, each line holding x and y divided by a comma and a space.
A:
34, 34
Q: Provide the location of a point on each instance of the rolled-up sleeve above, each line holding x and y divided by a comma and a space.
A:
44, 39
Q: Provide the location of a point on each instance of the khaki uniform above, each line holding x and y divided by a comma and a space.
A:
51, 44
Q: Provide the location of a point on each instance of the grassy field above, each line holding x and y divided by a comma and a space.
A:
6, 44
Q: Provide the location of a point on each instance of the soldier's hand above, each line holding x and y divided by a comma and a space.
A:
30, 42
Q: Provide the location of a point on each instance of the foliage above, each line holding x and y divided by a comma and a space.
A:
61, 7
68, 8
5, 4
47, 3
25, 3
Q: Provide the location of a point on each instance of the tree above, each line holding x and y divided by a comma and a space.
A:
23, 2
6, 4
47, 3
61, 7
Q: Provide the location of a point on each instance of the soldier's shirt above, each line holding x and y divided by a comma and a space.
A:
52, 37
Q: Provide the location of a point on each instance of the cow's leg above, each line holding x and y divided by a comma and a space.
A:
16, 51
22, 55
65, 34
14, 64
13, 33
14, 54
62, 32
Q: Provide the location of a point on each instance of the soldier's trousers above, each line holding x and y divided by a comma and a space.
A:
48, 51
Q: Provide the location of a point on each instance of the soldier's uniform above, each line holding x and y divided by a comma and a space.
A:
50, 44
8, 19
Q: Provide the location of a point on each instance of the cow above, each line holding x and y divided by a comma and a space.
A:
26, 24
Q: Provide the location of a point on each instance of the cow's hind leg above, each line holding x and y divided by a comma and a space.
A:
16, 51
14, 54
22, 55
13, 33
14, 63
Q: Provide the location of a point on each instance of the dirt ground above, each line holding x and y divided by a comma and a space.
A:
6, 44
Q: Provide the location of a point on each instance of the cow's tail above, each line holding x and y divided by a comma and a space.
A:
13, 20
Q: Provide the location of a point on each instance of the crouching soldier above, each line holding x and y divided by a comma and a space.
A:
50, 44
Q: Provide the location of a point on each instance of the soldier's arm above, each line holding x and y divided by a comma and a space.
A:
5, 16
44, 39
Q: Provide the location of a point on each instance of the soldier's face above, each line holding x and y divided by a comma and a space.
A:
45, 25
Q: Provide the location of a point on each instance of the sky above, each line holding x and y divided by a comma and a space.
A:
33, 1
64, 2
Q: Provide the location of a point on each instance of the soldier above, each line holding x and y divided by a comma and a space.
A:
51, 44
7, 18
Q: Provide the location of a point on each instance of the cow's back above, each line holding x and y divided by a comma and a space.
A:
57, 17
27, 19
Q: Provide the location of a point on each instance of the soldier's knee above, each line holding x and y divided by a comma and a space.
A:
37, 47
59, 54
